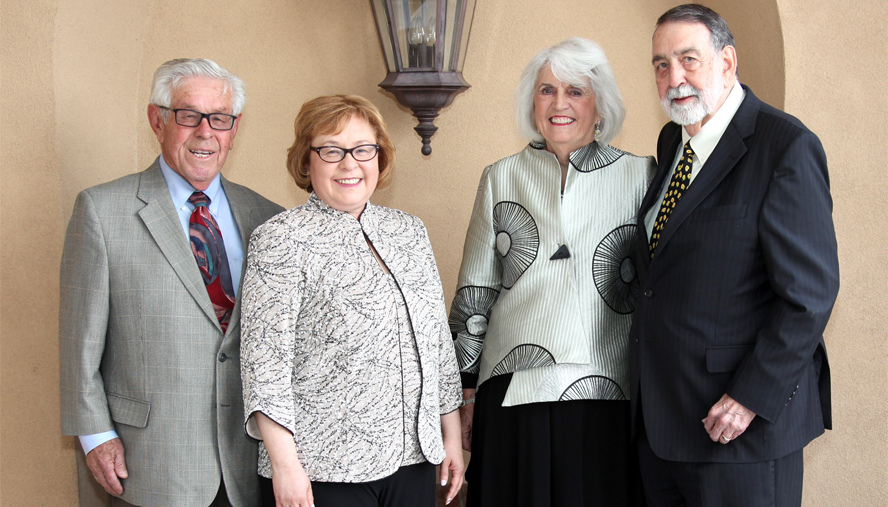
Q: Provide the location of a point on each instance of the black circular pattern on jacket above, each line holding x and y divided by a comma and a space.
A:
613, 269
517, 240
523, 357
593, 387
469, 316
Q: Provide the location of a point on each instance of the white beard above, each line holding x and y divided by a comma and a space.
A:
694, 112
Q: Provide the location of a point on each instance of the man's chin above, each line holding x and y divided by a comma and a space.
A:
685, 116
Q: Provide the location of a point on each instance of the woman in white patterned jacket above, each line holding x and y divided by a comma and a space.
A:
546, 293
349, 374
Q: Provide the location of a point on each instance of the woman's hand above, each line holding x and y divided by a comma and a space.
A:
292, 487
466, 413
453, 463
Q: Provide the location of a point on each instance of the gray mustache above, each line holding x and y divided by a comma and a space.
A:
681, 91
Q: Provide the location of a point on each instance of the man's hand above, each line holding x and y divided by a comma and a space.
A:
108, 466
466, 413
727, 420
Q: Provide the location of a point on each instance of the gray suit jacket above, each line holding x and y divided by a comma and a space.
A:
141, 350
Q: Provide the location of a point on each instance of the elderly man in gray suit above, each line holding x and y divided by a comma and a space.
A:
150, 320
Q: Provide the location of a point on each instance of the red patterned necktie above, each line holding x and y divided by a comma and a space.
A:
209, 250
681, 178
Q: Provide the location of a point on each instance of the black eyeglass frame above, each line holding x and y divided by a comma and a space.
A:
346, 151
202, 116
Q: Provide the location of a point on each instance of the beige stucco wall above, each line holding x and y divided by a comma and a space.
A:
836, 80
74, 81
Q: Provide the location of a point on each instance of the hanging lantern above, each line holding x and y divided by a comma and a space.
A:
424, 42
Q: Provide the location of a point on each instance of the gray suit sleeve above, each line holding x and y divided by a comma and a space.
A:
83, 321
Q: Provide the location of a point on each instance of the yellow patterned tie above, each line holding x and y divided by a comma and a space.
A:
681, 178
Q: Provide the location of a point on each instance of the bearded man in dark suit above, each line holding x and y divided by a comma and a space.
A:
739, 273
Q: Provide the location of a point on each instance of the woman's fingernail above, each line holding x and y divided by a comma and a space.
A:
443, 482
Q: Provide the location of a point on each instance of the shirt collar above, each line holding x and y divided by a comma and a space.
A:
181, 190
711, 132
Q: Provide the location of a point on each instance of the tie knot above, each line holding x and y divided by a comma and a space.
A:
199, 199
688, 150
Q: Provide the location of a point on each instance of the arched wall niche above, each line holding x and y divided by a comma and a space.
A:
758, 35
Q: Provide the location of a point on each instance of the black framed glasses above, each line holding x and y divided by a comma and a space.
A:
192, 118
333, 154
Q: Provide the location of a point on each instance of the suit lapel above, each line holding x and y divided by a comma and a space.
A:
245, 216
729, 150
664, 170
162, 221
242, 208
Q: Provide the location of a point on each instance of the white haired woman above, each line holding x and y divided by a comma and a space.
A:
545, 297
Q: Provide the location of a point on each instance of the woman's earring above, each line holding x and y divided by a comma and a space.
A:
597, 130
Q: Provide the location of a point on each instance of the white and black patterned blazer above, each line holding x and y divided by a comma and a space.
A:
547, 285
311, 348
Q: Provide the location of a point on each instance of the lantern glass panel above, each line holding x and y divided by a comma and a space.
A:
461, 36
416, 31
383, 24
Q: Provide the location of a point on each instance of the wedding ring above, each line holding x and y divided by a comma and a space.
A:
726, 439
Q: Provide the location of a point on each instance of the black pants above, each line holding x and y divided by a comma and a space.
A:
680, 484
410, 486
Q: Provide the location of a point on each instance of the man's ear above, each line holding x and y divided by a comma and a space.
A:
729, 64
236, 125
155, 119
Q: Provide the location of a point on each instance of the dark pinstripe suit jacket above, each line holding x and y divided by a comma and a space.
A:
739, 292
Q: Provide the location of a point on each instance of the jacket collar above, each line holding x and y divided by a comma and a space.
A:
369, 217
589, 158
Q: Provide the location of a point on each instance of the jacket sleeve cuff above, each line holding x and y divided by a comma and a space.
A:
90, 442
469, 380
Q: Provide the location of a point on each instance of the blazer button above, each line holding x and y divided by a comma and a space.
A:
648, 293
223, 358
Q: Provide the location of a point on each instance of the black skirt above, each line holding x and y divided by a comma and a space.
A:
555, 454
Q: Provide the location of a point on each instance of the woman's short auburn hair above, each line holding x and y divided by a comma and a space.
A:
329, 115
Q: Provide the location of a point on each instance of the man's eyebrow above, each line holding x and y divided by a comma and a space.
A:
680, 52
193, 107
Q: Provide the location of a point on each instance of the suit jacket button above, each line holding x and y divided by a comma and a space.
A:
222, 357
648, 293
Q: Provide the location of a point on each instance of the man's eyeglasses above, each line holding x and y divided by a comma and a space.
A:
362, 153
191, 118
